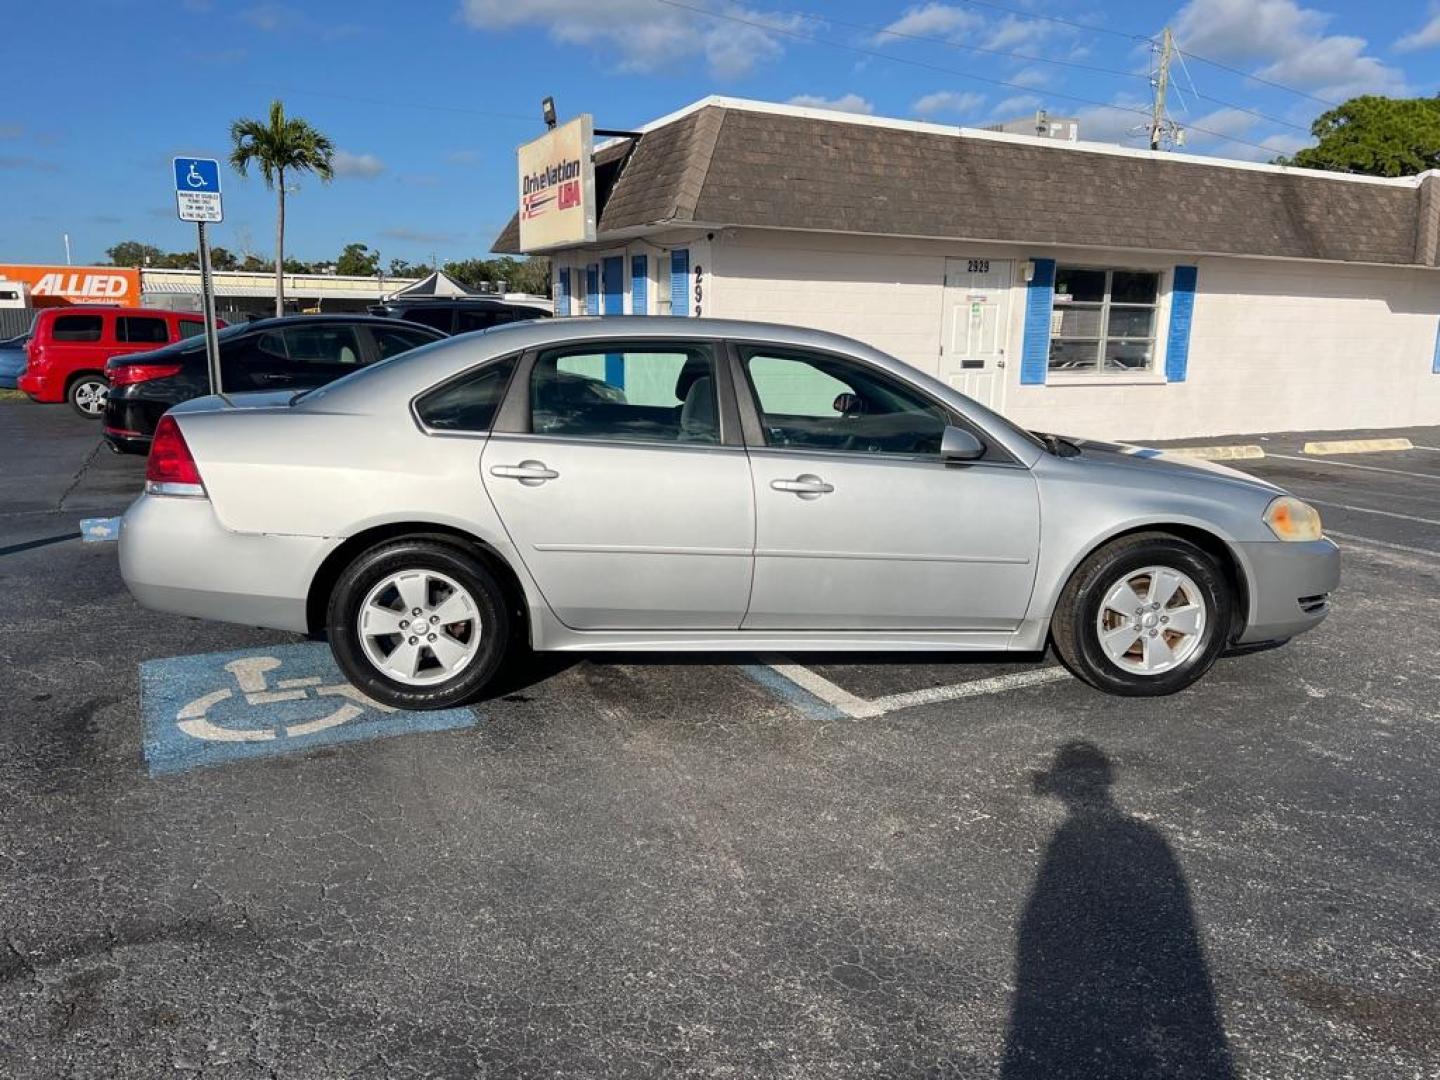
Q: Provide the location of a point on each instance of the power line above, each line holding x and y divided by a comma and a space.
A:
1256, 78
857, 50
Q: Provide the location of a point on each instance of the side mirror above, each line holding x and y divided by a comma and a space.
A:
957, 444
848, 404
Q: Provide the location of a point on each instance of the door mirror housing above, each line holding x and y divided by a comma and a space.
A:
957, 444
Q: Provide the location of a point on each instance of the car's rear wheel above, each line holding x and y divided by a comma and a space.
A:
418, 624
87, 395
1145, 615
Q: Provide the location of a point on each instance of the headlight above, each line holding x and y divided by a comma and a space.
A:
1290, 518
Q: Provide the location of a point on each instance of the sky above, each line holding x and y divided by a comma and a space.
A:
426, 101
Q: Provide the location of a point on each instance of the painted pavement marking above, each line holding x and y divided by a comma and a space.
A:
1355, 465
1369, 510
1367, 541
216, 708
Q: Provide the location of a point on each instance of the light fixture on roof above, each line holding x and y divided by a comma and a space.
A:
547, 110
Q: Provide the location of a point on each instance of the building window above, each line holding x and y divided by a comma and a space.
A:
1104, 320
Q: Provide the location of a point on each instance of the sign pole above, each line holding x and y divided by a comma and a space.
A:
207, 293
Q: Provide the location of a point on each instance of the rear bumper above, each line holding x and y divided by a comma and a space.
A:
39, 388
175, 556
1290, 587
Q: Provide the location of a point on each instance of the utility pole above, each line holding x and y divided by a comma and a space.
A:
1161, 81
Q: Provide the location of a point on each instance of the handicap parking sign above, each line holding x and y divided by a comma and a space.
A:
197, 189
232, 706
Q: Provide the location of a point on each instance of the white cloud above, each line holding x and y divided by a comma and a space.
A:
1115, 122
1030, 76
1218, 126
359, 166
948, 102
1015, 108
851, 103
646, 36
463, 157
931, 20
1010, 33
1427, 37
1289, 44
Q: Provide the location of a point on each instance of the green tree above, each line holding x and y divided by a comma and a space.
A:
358, 260
132, 253
223, 259
178, 260
276, 146
403, 268
253, 264
532, 276
1378, 136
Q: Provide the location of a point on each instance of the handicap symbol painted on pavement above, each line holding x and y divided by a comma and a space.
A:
222, 707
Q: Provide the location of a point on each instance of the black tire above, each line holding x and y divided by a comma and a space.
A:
1076, 635
81, 394
371, 568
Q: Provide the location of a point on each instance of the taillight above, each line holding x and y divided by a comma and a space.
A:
128, 374
171, 468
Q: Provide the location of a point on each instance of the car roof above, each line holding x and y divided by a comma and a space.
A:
276, 321
99, 309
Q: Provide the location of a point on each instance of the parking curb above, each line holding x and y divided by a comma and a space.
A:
1357, 446
1246, 452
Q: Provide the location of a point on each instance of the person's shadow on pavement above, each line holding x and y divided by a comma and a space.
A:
1110, 977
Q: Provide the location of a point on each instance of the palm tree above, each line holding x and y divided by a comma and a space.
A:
283, 144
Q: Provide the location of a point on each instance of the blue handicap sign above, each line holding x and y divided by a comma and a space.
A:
197, 174
216, 708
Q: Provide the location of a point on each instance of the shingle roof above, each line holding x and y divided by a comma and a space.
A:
720, 165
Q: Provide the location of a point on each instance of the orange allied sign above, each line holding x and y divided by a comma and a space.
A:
54, 286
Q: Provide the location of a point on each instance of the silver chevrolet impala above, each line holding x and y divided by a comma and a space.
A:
655, 484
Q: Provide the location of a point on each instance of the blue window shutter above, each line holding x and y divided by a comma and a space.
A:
1435, 363
613, 275
592, 290
680, 281
1182, 311
562, 291
640, 285
1039, 303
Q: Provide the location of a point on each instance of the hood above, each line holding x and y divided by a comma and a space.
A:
1153, 462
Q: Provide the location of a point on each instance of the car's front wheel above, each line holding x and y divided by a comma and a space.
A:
1147, 614
418, 624
87, 395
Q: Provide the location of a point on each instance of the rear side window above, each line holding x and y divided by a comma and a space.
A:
323, 344
661, 393
141, 330
394, 342
190, 328
468, 403
76, 328
439, 318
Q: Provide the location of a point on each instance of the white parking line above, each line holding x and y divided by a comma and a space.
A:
977, 688
1368, 510
858, 708
1353, 465
1367, 541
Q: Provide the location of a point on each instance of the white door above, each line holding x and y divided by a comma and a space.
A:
977, 323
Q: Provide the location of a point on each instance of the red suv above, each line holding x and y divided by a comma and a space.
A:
65, 357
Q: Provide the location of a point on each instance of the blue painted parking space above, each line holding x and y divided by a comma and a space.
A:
217, 708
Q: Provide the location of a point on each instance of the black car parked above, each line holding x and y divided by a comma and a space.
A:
296, 352
458, 315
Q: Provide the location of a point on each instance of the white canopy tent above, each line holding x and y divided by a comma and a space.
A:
438, 284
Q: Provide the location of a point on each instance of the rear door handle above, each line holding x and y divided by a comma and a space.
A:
529, 473
806, 486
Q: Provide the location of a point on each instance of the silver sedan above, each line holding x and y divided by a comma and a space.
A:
653, 484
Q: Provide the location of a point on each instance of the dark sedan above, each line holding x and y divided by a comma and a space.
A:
296, 352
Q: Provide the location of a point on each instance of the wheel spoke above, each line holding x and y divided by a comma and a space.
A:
1119, 641
377, 620
1157, 652
447, 650
414, 590
1124, 599
1185, 620
1163, 584
404, 660
455, 608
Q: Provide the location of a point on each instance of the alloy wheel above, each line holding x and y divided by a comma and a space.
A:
1152, 620
419, 627
90, 397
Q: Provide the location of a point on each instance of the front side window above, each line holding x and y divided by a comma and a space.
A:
326, 344
469, 402
655, 393
142, 329
76, 328
818, 402
1104, 320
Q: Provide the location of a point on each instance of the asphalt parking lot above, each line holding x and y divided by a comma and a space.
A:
768, 866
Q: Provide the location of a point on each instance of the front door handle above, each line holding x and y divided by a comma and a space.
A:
529, 473
806, 486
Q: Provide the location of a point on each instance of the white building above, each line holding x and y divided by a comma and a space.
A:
1078, 287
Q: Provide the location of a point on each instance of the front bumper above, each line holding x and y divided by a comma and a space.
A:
1290, 587
175, 556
